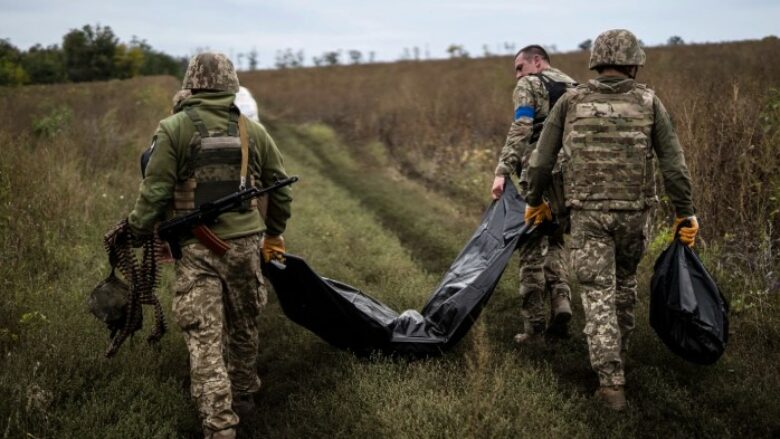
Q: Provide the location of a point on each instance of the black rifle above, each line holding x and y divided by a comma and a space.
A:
198, 222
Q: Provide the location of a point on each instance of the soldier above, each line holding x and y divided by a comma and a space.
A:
542, 268
202, 153
611, 131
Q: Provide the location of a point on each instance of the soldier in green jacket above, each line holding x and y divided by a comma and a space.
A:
611, 131
543, 271
199, 154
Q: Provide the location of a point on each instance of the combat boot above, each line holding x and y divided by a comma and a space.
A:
533, 335
228, 433
613, 397
561, 314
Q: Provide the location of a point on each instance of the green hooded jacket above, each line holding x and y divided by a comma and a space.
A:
168, 162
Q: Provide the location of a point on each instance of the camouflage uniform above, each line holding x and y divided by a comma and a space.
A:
611, 131
543, 267
217, 300
216, 303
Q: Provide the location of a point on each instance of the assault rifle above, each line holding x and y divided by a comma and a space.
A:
198, 222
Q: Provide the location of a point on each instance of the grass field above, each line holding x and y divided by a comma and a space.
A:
70, 171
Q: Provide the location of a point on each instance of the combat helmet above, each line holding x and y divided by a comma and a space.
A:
210, 71
108, 302
616, 47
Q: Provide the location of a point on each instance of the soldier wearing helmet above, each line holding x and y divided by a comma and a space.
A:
543, 271
197, 155
612, 130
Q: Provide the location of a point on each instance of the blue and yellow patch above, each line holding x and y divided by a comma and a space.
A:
524, 112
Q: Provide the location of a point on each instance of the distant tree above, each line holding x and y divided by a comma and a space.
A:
128, 61
416, 53
457, 51
252, 59
44, 65
240, 61
355, 56
371, 56
331, 58
486, 51
89, 53
11, 70
159, 63
586, 45
551, 48
286, 59
675, 40
509, 47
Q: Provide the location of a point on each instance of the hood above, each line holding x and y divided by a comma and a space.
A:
611, 84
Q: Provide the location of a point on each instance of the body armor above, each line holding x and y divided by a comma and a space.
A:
609, 161
214, 167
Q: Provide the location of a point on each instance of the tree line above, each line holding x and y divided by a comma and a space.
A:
86, 54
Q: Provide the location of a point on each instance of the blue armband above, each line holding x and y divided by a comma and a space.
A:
524, 112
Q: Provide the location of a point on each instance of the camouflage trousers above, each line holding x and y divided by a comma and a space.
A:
606, 248
542, 269
216, 302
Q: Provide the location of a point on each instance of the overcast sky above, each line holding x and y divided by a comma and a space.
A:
384, 27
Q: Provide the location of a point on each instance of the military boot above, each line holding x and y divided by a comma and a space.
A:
244, 406
613, 397
228, 433
532, 335
561, 314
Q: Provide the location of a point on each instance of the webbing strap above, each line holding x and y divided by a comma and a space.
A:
233, 118
197, 121
244, 135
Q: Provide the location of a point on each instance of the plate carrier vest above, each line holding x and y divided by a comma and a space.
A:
608, 159
214, 169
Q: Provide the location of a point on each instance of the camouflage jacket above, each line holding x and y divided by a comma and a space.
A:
531, 101
665, 146
171, 154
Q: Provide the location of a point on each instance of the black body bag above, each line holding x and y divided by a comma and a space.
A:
349, 319
687, 310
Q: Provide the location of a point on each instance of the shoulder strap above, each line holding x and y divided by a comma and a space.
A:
244, 135
233, 118
197, 121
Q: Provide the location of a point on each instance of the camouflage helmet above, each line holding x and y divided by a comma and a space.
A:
617, 47
210, 71
108, 301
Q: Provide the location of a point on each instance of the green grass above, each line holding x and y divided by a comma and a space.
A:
354, 219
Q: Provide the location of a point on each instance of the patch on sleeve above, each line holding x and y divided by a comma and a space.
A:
524, 112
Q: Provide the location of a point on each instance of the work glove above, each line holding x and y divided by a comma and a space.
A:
687, 234
273, 248
537, 214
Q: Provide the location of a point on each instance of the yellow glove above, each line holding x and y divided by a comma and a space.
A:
687, 234
537, 214
273, 248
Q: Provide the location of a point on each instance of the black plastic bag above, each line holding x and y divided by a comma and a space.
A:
687, 310
349, 319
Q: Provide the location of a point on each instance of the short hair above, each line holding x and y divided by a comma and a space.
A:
626, 70
533, 49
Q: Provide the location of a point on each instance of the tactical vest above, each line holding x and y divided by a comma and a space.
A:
555, 89
214, 168
608, 160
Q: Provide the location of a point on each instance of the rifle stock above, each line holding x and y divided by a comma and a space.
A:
198, 222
